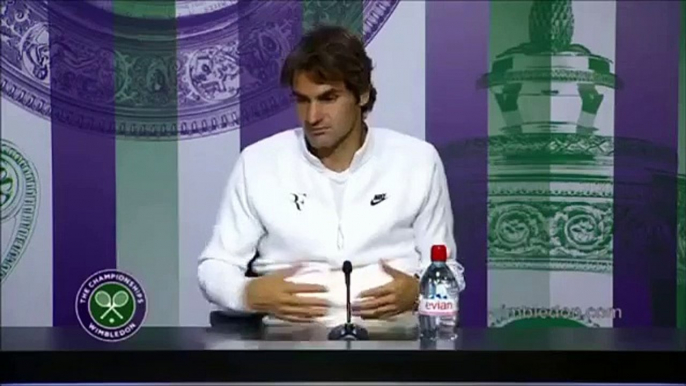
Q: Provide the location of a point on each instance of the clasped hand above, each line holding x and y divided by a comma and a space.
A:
388, 300
273, 294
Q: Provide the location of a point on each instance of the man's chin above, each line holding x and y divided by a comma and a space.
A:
319, 142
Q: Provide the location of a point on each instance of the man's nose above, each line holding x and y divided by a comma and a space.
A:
314, 113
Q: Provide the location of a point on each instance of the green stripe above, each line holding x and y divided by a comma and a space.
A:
509, 23
681, 208
344, 13
147, 173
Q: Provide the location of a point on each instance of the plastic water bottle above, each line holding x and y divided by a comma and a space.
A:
438, 299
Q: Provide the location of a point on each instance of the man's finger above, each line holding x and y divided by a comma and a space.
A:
376, 292
305, 288
302, 312
373, 304
306, 301
377, 313
294, 319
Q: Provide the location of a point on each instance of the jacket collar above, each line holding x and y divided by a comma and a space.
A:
362, 155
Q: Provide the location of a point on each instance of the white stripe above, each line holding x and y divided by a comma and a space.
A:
204, 168
595, 28
27, 290
398, 53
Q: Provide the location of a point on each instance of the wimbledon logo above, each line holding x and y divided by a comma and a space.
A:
111, 305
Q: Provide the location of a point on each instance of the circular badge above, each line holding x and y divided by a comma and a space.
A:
111, 305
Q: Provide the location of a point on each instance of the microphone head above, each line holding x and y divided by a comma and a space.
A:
347, 267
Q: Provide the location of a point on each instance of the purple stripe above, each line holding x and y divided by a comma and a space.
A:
646, 110
457, 34
83, 166
265, 107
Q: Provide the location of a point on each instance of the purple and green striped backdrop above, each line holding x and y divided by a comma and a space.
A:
561, 125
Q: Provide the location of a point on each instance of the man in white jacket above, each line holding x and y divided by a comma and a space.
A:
307, 199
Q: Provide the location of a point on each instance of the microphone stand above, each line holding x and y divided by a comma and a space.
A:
348, 331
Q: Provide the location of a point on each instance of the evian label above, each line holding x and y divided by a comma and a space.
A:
437, 307
441, 302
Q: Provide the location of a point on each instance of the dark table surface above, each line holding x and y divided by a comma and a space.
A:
242, 353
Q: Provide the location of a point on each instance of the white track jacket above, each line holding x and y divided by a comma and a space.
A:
283, 204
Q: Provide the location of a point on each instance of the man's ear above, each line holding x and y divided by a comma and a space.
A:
364, 98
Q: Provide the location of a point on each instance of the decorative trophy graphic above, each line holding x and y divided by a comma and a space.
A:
551, 208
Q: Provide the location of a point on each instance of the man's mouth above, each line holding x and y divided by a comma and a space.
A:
318, 130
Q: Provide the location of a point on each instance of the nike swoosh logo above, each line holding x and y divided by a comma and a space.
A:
378, 199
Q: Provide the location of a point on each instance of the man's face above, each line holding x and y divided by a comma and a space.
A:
328, 111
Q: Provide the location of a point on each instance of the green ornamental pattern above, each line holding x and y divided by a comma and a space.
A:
19, 199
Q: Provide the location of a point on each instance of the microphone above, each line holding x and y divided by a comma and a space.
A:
347, 269
348, 330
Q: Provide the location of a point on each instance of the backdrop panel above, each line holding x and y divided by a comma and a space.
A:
560, 123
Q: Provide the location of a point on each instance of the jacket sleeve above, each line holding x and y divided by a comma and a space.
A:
233, 243
434, 224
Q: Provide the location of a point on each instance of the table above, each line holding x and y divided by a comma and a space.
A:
243, 353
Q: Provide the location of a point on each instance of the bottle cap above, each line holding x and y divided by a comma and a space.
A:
439, 253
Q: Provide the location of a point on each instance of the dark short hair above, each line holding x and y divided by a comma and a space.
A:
332, 54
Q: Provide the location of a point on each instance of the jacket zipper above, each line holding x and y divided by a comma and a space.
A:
340, 241
340, 237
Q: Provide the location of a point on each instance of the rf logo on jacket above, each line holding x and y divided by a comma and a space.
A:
298, 200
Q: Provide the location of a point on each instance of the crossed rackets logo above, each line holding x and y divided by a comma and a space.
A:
111, 305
